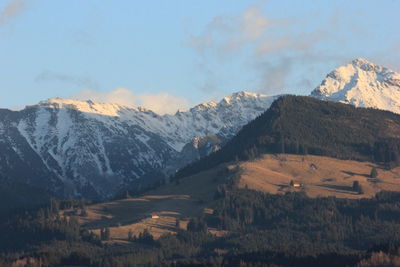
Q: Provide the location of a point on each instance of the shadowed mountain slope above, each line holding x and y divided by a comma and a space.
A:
305, 125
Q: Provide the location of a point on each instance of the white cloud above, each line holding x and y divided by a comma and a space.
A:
12, 10
162, 103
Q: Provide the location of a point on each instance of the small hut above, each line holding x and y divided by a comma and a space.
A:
313, 166
154, 216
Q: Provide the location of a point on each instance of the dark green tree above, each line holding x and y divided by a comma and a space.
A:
356, 186
130, 235
84, 212
360, 190
107, 234
145, 237
374, 173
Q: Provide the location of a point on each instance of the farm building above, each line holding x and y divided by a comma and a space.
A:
154, 216
313, 166
295, 185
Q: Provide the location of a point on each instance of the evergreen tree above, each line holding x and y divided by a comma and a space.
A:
356, 186
130, 235
146, 237
84, 212
360, 190
282, 145
107, 234
102, 234
374, 173
197, 225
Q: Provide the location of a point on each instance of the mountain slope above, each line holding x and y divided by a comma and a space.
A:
363, 84
81, 148
305, 125
272, 173
18, 160
94, 150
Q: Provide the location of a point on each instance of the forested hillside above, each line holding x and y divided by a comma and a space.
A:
258, 229
17, 196
304, 125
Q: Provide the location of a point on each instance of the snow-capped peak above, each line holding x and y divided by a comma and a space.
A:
93, 149
231, 113
242, 95
362, 84
362, 62
113, 109
106, 109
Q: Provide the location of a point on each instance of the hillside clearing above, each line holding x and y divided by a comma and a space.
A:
175, 201
191, 196
319, 176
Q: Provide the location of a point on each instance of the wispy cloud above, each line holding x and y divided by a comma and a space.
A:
271, 47
12, 10
162, 103
227, 34
79, 80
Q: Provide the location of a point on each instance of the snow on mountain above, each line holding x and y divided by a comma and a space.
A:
94, 150
363, 84
228, 115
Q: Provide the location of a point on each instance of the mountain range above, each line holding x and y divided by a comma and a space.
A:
85, 149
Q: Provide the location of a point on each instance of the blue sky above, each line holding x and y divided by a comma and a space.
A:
179, 53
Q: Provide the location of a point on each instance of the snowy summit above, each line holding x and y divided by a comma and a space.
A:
363, 84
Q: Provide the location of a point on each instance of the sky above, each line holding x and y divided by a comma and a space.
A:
172, 54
